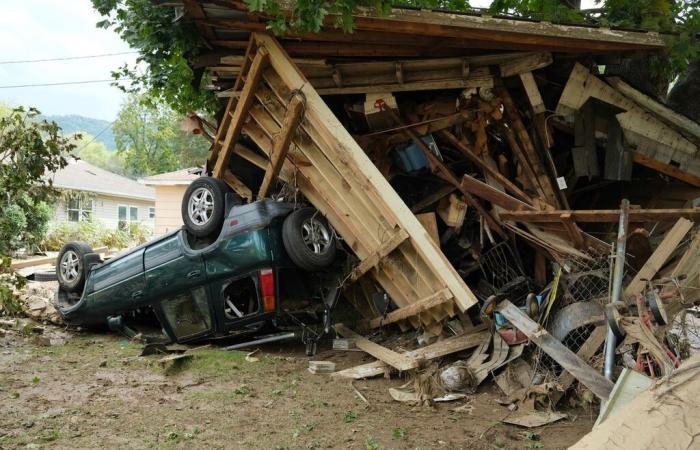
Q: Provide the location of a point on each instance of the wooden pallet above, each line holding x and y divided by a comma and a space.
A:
312, 149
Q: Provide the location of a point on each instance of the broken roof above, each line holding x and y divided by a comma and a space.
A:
228, 24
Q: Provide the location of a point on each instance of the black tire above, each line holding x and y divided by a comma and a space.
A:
45, 275
309, 240
71, 269
200, 219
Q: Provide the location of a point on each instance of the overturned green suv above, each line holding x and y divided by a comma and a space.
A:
233, 269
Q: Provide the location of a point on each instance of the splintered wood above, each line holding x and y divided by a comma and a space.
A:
336, 176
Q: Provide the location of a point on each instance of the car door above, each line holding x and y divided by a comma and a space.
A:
170, 268
119, 285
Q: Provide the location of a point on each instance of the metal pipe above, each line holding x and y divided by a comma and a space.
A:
616, 294
264, 340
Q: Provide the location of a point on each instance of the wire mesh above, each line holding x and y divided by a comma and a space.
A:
585, 279
500, 265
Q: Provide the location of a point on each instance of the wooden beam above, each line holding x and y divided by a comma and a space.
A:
493, 195
669, 116
439, 349
399, 361
260, 62
284, 139
372, 260
237, 185
528, 148
586, 352
572, 230
600, 215
437, 299
533, 92
657, 259
579, 368
526, 64
666, 169
466, 151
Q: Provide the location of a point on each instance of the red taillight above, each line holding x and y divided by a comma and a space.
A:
267, 286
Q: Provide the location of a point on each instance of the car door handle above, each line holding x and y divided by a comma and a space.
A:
194, 274
136, 295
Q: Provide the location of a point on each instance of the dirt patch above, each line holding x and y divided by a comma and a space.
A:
94, 391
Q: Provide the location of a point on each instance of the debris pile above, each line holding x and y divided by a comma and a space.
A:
506, 198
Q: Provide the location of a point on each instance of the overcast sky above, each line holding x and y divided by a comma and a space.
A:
40, 29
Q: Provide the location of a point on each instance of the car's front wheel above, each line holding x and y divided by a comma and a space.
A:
71, 267
308, 239
203, 206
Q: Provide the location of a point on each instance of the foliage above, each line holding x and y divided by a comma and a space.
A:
29, 147
310, 15
96, 234
150, 141
550, 10
165, 46
681, 17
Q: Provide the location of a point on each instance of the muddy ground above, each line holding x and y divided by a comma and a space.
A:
90, 390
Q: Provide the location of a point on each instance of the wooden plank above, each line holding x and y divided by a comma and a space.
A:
657, 259
429, 222
439, 349
373, 259
399, 361
532, 92
666, 169
279, 151
600, 215
260, 62
369, 370
526, 64
586, 352
669, 116
466, 151
413, 309
550, 195
593, 380
237, 185
572, 230
493, 195
433, 198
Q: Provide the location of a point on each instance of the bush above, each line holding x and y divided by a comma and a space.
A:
96, 234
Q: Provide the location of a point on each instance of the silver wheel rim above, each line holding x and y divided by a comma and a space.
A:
70, 266
315, 235
200, 207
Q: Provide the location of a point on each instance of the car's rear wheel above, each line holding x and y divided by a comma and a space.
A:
203, 206
309, 240
71, 267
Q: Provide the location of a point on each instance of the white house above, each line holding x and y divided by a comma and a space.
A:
169, 188
113, 199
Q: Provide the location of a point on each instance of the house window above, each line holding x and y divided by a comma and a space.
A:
127, 214
152, 212
80, 209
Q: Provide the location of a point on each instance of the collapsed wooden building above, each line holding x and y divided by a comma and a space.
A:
467, 160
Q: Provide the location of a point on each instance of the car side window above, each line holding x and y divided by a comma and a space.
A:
240, 298
188, 313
